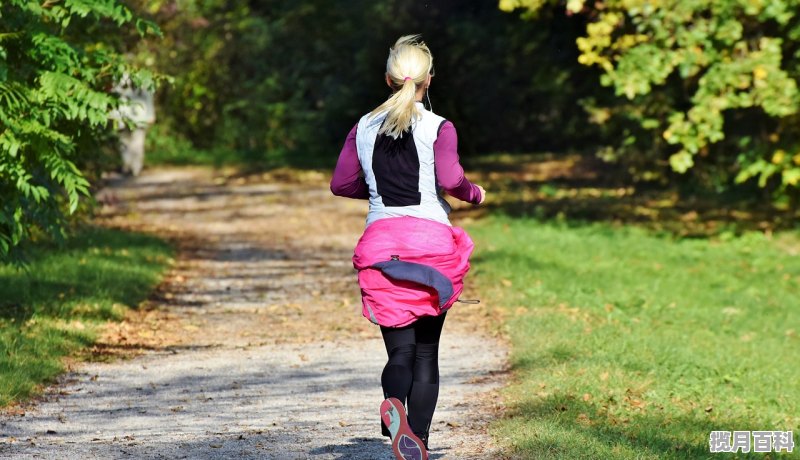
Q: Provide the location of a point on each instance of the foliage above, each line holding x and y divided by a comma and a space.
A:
286, 79
164, 146
57, 61
627, 345
707, 82
585, 188
60, 303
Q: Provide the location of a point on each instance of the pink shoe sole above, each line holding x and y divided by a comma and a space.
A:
405, 444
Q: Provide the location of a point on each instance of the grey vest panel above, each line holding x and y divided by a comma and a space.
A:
425, 131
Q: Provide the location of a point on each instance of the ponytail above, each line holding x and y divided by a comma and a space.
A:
408, 66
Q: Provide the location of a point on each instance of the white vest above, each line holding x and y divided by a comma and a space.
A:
395, 174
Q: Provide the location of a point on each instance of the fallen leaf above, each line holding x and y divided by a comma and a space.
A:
16, 411
638, 403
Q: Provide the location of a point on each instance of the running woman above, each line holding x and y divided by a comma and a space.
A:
411, 261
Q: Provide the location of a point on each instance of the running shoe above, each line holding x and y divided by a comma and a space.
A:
405, 444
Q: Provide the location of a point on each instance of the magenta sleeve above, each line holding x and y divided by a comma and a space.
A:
347, 180
449, 172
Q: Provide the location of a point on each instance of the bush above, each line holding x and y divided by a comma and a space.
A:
708, 86
57, 64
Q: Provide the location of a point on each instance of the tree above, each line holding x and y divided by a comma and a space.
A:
710, 83
57, 62
285, 80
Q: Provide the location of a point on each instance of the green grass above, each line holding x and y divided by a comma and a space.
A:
57, 307
630, 345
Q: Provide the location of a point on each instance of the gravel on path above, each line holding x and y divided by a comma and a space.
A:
254, 347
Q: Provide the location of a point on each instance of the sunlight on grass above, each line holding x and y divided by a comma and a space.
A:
630, 345
583, 188
57, 307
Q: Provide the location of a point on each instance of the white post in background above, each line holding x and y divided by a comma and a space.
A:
136, 113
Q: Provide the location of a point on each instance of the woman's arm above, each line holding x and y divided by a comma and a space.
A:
449, 172
347, 180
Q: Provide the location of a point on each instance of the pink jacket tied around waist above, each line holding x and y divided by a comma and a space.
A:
406, 266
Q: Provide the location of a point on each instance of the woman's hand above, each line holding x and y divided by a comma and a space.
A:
483, 194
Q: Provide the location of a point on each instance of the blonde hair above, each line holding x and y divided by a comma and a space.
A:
409, 64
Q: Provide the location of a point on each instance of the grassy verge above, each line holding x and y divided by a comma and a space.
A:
57, 306
631, 345
583, 188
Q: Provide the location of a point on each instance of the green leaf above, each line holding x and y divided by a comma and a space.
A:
681, 161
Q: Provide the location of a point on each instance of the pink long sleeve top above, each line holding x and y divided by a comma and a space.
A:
348, 181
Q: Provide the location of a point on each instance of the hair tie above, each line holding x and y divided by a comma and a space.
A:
407, 78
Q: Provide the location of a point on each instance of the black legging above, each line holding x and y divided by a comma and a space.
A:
412, 372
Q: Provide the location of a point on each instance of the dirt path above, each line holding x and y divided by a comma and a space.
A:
254, 347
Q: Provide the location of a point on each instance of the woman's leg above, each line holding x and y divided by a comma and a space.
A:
425, 382
397, 375
412, 372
